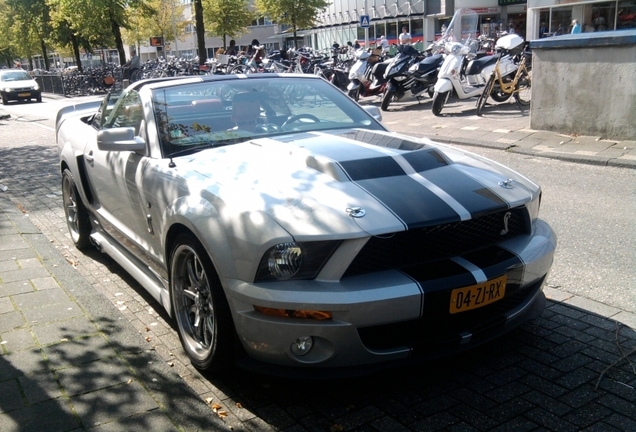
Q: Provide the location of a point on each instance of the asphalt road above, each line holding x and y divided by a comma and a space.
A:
541, 377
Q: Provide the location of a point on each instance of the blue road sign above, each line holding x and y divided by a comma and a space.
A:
364, 21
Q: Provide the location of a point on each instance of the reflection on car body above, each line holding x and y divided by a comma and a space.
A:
283, 227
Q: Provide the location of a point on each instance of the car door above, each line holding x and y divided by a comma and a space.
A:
114, 176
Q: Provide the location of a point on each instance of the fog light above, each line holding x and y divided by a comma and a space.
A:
302, 345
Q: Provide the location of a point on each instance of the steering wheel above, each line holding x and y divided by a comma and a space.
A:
297, 117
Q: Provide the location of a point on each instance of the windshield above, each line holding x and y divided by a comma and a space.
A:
210, 113
15, 76
463, 26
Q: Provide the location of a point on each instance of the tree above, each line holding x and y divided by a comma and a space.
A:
98, 21
166, 21
200, 27
226, 18
296, 13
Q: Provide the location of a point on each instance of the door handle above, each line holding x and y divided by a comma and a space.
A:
89, 157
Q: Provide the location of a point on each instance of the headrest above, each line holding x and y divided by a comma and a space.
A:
245, 107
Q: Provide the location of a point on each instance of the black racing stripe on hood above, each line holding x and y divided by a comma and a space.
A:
471, 194
425, 159
413, 203
375, 168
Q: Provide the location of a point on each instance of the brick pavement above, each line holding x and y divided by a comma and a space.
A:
84, 347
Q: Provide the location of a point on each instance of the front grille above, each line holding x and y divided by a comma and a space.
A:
416, 246
434, 335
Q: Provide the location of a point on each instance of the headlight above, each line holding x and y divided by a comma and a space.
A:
292, 260
285, 260
36, 87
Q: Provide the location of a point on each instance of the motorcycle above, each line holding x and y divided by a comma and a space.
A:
410, 70
361, 75
462, 72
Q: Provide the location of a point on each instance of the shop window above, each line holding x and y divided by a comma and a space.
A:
602, 17
626, 15
560, 22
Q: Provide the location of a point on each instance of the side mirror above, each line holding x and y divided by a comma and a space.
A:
120, 139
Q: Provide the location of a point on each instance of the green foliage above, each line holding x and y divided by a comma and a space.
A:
158, 18
226, 17
297, 13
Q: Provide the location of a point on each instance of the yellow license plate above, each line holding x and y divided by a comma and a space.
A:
24, 94
476, 296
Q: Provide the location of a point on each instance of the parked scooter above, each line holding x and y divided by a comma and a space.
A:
410, 70
361, 75
460, 45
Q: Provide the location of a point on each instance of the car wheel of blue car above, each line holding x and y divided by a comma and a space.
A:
200, 307
77, 220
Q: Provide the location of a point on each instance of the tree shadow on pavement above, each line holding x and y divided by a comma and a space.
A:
567, 370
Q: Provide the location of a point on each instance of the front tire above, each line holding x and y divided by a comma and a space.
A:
354, 94
75, 212
5, 101
439, 99
483, 97
387, 97
523, 91
200, 307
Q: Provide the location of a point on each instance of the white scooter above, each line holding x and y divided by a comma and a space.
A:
460, 44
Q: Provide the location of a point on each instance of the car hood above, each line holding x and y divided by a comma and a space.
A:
18, 84
361, 181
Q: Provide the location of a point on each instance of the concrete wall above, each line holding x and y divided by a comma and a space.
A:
585, 84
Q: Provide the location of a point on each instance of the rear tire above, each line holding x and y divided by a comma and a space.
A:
5, 101
439, 99
387, 97
75, 212
483, 97
523, 93
200, 307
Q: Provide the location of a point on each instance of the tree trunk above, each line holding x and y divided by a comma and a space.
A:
295, 40
45, 55
118, 41
76, 52
198, 12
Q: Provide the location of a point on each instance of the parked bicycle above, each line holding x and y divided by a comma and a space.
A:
519, 86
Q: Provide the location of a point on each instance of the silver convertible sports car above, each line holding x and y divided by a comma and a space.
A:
286, 230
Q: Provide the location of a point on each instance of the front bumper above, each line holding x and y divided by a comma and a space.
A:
389, 317
19, 94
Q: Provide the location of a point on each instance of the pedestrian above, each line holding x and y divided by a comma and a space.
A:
132, 65
356, 45
511, 28
576, 27
405, 36
231, 50
384, 44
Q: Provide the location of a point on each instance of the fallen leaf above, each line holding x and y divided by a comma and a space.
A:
222, 413
147, 329
208, 400
129, 381
171, 364
336, 428
238, 405
216, 406
148, 338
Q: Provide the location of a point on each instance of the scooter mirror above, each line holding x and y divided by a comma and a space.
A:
349, 43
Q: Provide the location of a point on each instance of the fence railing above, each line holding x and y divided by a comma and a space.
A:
51, 83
